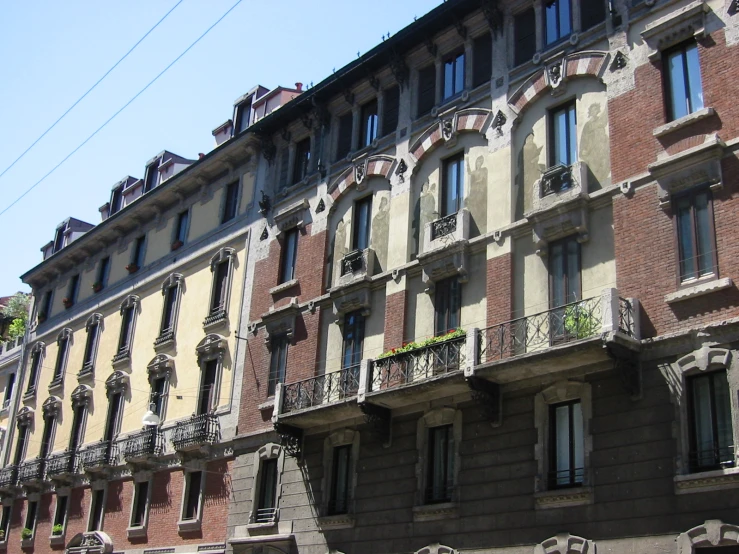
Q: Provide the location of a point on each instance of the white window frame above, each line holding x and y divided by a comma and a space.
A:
269, 451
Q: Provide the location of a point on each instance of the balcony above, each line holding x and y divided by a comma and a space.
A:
442, 232
544, 342
31, 472
8, 478
354, 266
297, 402
142, 446
198, 432
62, 466
98, 457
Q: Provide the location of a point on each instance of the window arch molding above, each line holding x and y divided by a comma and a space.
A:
269, 451
564, 543
82, 395
51, 407
117, 383
436, 549
342, 437
132, 300
220, 290
712, 532
25, 416
161, 365
94, 319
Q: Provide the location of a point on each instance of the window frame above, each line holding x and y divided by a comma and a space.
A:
560, 37
529, 12
47, 443
21, 442
289, 251
421, 107
93, 328
552, 157
103, 274
270, 451
343, 438
457, 164
564, 242
181, 229
453, 60
9, 389
480, 70
28, 523
390, 117
60, 509
128, 326
682, 48
192, 523
278, 344
63, 344
172, 285
553, 476
692, 433
368, 130
437, 418
231, 201
140, 529
446, 291
98, 500
38, 353
691, 194
138, 253
357, 230
6, 519
344, 135
73, 291
302, 160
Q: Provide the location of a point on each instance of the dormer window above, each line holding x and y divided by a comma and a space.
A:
243, 117
116, 200
152, 176
59, 238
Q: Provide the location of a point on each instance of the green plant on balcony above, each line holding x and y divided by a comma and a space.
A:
579, 322
2, 534
416, 345
26, 533
57, 529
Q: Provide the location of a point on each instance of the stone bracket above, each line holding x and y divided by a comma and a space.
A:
626, 363
379, 418
291, 439
489, 397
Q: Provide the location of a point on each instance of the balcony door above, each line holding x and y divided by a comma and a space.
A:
564, 288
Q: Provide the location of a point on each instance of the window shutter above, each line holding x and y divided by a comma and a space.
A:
345, 135
592, 12
426, 89
391, 110
284, 166
525, 34
482, 59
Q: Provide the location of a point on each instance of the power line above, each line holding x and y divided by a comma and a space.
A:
111, 118
81, 98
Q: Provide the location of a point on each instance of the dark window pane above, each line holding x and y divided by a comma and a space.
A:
170, 303
482, 58
524, 30
61, 510
453, 76
426, 89
49, 423
683, 81
563, 124
391, 110
278, 364
711, 425
92, 334
75, 438
447, 302
567, 457
353, 339
302, 160
564, 272
557, 20
267, 490
592, 12
289, 255
97, 510
114, 410
369, 123
192, 500
361, 223
140, 501
453, 184
339, 499
344, 146
232, 202
206, 401
220, 284
440, 468
157, 395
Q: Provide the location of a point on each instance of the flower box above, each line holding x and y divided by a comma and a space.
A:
97, 286
68, 302
132, 268
410, 346
177, 244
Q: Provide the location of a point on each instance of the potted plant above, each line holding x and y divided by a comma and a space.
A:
177, 244
2, 535
578, 322
41, 317
57, 529
67, 302
132, 268
26, 533
97, 286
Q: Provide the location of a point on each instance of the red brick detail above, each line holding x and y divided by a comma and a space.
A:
395, 307
432, 137
377, 166
309, 271
499, 289
633, 116
649, 273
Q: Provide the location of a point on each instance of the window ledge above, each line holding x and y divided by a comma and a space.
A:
563, 498
267, 405
3, 544
284, 286
699, 289
339, 521
55, 540
122, 358
56, 384
27, 543
188, 526
683, 122
706, 481
262, 526
434, 512
134, 532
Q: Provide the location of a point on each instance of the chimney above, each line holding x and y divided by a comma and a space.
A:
299, 87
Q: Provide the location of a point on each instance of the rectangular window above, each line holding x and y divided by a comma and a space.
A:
61, 360
426, 89
564, 272
21, 444
453, 186
695, 235
482, 59
207, 400
181, 229
683, 81
566, 453
592, 12
302, 160
440, 468
369, 123
103, 273
46, 305
140, 504
243, 111
344, 140
267, 501
78, 421
454, 75
289, 255
231, 203
558, 24
113, 421
59, 239
158, 386
339, 499
353, 340
97, 509
138, 252
116, 200
391, 110
191, 509
152, 176
361, 223
60, 513
125, 339
284, 167
31, 516
5, 522
90, 347
711, 433
170, 310
35, 370
278, 364
220, 287
563, 136
447, 302
524, 31
72, 291
9, 391
46, 437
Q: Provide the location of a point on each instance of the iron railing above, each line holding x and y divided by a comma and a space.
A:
437, 494
165, 336
418, 365
352, 262
199, 430
62, 463
712, 456
321, 389
444, 226
556, 179
8, 477
32, 470
568, 323
565, 478
626, 316
216, 315
98, 455
265, 515
144, 444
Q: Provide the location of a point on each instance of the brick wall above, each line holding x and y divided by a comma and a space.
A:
499, 289
395, 307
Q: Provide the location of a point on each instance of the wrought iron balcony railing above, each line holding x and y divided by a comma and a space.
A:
216, 315
31, 471
444, 226
626, 317
98, 456
62, 464
142, 445
418, 365
352, 262
166, 336
711, 456
568, 323
321, 389
8, 477
265, 515
199, 430
556, 179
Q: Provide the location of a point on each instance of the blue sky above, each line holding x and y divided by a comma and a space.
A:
52, 52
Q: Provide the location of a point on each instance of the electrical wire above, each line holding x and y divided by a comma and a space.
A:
81, 98
112, 117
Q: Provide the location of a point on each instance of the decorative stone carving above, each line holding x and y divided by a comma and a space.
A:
25, 416
498, 121
619, 61
713, 532
94, 542
265, 235
564, 543
212, 346
401, 169
269, 150
292, 216
703, 359
51, 406
81, 395
161, 366
399, 68
265, 204
679, 25
94, 319
281, 321
117, 383
321, 206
